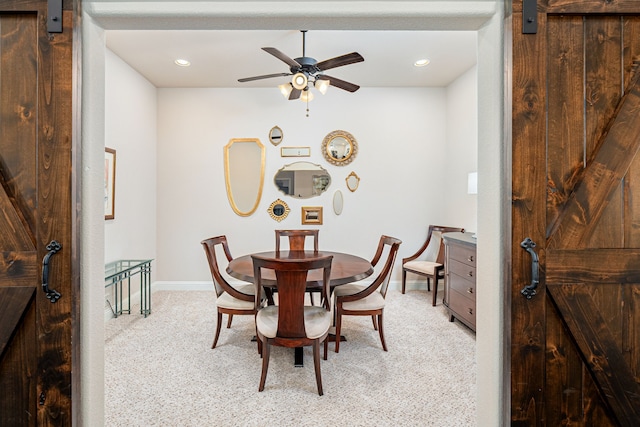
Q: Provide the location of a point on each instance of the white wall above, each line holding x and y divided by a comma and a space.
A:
130, 128
401, 136
461, 156
485, 16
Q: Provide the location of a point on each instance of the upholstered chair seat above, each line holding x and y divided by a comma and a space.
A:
227, 301
425, 267
428, 261
316, 321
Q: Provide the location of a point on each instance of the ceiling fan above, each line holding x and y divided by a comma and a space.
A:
307, 70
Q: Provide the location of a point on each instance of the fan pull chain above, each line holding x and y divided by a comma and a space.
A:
307, 107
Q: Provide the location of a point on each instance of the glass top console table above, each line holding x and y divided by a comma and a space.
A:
116, 273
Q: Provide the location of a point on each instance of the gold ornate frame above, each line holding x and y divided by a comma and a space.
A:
272, 212
312, 215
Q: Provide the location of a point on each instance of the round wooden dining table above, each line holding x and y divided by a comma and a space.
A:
345, 268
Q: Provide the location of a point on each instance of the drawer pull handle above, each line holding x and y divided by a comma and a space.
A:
470, 290
470, 259
470, 310
470, 274
530, 290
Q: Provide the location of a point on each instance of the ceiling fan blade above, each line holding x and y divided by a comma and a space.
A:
282, 57
295, 94
350, 87
266, 76
339, 61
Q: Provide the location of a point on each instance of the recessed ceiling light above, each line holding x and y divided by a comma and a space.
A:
182, 62
421, 62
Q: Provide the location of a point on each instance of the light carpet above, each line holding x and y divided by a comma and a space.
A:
161, 370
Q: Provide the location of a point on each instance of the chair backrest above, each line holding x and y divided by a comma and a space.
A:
219, 282
390, 246
291, 281
297, 239
433, 247
435, 233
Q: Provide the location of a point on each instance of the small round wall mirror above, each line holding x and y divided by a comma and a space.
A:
339, 147
276, 135
278, 210
353, 181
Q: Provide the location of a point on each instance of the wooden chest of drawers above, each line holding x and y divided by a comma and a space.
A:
460, 277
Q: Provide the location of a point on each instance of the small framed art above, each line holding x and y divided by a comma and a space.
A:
109, 183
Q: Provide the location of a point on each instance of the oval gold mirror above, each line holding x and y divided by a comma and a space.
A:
302, 180
353, 181
244, 174
276, 135
339, 147
278, 210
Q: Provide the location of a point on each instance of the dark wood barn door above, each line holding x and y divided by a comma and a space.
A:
575, 345
36, 204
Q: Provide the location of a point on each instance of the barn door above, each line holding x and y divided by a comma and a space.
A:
575, 344
36, 216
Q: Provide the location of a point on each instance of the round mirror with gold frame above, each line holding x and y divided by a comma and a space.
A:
275, 135
339, 147
278, 210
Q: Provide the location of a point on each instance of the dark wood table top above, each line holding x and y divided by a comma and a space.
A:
345, 268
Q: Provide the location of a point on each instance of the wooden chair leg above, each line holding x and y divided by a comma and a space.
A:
218, 325
266, 349
316, 364
428, 284
404, 279
384, 344
375, 323
338, 326
311, 297
326, 347
435, 291
229, 320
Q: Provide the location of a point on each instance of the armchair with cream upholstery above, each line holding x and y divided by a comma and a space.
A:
239, 300
355, 299
428, 261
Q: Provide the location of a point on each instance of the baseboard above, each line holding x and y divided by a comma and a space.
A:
208, 286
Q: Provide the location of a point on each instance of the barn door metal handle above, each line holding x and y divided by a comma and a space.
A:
53, 247
530, 290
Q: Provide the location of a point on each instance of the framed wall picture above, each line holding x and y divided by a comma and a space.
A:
312, 214
295, 151
109, 183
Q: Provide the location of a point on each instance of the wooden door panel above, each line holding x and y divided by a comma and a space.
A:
18, 356
576, 193
599, 350
18, 33
37, 205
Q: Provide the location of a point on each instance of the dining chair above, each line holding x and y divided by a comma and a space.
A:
355, 299
431, 262
290, 323
297, 240
230, 300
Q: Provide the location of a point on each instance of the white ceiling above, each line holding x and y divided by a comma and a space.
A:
219, 58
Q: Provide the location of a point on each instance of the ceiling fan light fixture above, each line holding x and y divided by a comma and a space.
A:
306, 96
285, 89
299, 81
322, 85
